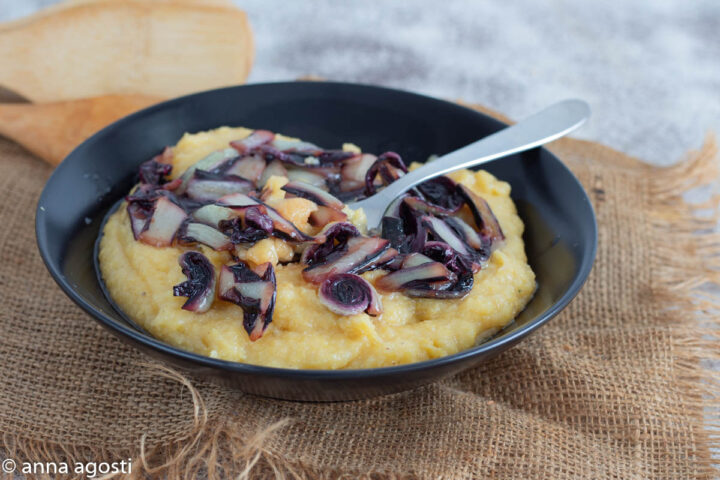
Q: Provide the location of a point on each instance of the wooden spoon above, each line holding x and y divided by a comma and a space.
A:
52, 130
87, 48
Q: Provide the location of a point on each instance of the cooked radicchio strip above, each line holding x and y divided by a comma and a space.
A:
293, 144
140, 207
314, 194
235, 200
334, 237
434, 273
238, 233
442, 231
415, 229
305, 157
208, 163
484, 217
251, 225
415, 259
418, 267
459, 265
252, 141
154, 171
333, 157
213, 214
256, 217
348, 294
206, 186
166, 219
390, 260
390, 167
302, 159
325, 215
249, 167
200, 284
139, 217
448, 256
192, 232
283, 228
391, 228
466, 232
312, 178
253, 290
273, 169
402, 225
354, 171
393, 210
360, 252
441, 192
421, 205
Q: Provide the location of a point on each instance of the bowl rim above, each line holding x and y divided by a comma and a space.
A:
506, 339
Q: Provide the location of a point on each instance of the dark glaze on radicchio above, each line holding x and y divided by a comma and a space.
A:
200, 284
425, 247
349, 294
254, 291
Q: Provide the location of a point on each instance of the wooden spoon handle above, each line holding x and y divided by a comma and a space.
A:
52, 130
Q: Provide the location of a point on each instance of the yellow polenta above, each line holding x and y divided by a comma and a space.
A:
303, 332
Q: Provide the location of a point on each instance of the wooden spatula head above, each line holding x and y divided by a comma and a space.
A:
92, 48
52, 130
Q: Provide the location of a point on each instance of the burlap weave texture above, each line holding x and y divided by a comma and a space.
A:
614, 387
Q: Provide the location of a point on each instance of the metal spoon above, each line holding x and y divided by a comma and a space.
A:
545, 126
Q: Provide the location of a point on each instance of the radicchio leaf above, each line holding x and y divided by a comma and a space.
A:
200, 284
274, 168
354, 171
250, 167
254, 290
325, 215
314, 194
206, 186
389, 166
348, 294
252, 141
167, 217
334, 239
282, 227
484, 217
442, 193
153, 172
360, 252
413, 276
251, 225
193, 232
207, 163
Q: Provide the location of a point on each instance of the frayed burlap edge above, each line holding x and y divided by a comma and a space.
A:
688, 286
684, 287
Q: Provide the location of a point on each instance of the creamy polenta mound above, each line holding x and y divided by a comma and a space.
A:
304, 333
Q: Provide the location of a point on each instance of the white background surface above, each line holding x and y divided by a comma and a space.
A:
650, 69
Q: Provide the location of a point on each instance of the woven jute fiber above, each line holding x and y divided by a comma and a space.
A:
617, 386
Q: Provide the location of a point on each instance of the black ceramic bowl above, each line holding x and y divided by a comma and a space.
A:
560, 233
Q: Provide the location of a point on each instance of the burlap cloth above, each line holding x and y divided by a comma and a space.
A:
617, 386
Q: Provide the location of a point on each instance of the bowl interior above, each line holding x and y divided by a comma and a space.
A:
560, 231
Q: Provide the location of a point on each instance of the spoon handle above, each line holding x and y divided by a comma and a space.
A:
545, 126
